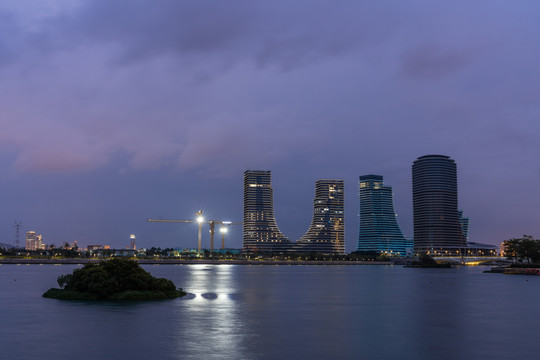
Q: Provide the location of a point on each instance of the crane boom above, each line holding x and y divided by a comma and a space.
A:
170, 220
200, 221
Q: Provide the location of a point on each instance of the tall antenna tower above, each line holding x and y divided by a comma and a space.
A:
18, 226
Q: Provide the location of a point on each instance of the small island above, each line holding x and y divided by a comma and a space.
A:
116, 279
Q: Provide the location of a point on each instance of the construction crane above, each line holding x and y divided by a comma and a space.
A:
226, 224
200, 220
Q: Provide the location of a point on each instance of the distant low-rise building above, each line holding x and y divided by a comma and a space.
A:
97, 247
478, 249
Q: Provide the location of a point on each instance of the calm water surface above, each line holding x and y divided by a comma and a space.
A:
279, 312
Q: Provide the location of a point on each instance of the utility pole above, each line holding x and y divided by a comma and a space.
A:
18, 226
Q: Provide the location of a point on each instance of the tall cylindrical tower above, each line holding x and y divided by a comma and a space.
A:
435, 206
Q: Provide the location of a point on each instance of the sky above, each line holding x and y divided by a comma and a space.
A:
116, 111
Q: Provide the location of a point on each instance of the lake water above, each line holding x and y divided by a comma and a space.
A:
279, 312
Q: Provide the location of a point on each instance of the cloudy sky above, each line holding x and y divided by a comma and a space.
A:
115, 111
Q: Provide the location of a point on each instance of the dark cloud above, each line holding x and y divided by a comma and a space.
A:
282, 33
181, 96
10, 39
431, 61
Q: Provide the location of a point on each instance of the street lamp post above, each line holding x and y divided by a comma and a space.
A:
223, 231
200, 220
212, 231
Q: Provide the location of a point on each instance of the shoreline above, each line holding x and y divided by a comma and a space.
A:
190, 262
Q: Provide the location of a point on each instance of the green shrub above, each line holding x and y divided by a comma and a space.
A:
116, 279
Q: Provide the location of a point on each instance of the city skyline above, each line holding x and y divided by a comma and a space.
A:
112, 114
378, 228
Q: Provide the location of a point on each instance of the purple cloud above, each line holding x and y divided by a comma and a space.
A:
430, 61
185, 90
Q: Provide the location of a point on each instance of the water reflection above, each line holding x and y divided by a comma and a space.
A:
215, 324
279, 312
439, 327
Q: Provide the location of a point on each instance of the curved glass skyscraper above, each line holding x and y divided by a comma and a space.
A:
326, 233
437, 228
261, 232
379, 230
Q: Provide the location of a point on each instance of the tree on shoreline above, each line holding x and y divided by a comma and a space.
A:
525, 248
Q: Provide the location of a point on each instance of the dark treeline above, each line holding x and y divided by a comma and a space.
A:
47, 253
169, 253
294, 256
524, 249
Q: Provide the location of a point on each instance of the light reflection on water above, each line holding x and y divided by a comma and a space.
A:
214, 322
279, 312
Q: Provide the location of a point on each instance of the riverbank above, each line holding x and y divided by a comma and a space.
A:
192, 262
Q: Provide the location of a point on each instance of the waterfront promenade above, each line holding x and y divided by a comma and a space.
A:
194, 262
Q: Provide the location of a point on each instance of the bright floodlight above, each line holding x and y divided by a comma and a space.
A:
223, 229
200, 219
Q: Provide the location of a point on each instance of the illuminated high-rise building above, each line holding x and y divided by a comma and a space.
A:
132, 242
379, 230
33, 241
260, 232
464, 223
437, 228
327, 231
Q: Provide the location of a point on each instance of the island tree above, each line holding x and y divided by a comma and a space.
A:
115, 279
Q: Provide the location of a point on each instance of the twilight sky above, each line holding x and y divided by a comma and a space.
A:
115, 111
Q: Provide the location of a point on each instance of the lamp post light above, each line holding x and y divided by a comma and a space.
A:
200, 220
223, 231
